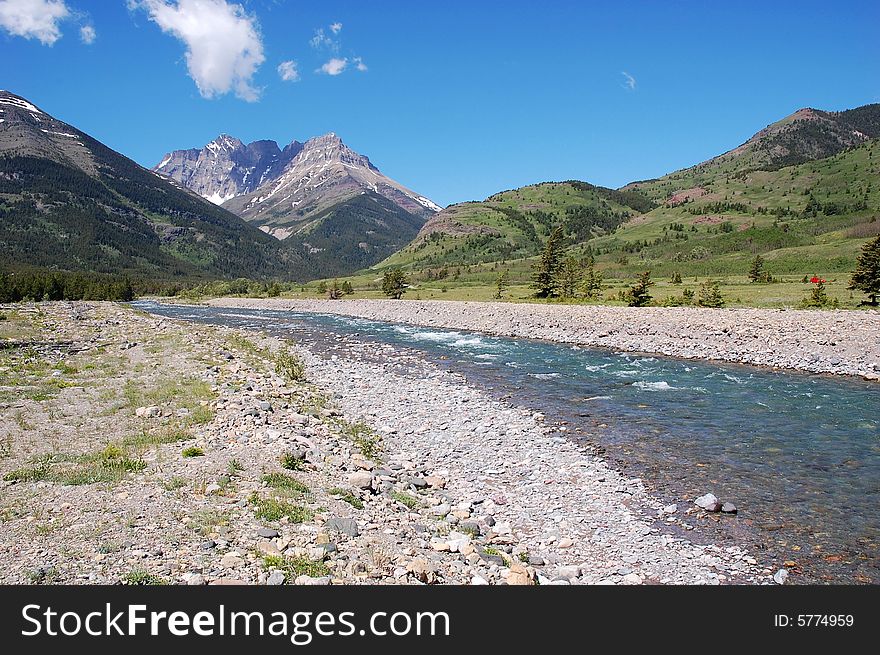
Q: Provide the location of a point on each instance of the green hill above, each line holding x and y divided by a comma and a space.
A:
514, 224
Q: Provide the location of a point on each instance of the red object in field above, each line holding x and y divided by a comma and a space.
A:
814, 280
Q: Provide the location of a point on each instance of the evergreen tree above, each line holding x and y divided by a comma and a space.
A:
394, 283
347, 289
866, 277
710, 295
756, 272
676, 278
501, 285
545, 272
818, 296
638, 295
592, 281
570, 278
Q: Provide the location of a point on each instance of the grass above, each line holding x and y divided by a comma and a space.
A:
280, 481
234, 467
293, 567
289, 366
347, 496
141, 578
108, 466
292, 462
193, 451
174, 483
272, 509
204, 521
186, 392
364, 437
406, 499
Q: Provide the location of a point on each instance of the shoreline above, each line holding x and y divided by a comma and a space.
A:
431, 505
841, 343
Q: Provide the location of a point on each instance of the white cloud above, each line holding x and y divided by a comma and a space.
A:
321, 40
359, 64
223, 44
336, 28
34, 19
629, 81
288, 71
333, 67
87, 34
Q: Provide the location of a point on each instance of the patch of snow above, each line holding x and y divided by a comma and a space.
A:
429, 204
217, 199
21, 104
164, 161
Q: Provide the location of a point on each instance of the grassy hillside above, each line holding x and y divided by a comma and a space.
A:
514, 224
804, 220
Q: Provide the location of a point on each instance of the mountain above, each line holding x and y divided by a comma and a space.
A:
69, 202
283, 191
803, 193
320, 198
514, 224
226, 168
806, 135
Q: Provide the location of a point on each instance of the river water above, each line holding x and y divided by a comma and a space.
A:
798, 454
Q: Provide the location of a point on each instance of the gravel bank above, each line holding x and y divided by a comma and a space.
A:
381, 468
838, 342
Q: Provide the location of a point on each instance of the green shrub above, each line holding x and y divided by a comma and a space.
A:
193, 451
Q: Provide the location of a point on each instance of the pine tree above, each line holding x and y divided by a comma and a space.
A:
545, 272
638, 295
756, 272
676, 278
710, 295
570, 278
501, 285
347, 288
866, 277
818, 298
394, 283
592, 281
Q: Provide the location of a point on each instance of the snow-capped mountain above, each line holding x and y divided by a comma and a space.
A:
282, 191
226, 167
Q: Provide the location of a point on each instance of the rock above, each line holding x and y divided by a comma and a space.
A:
276, 578
457, 541
565, 542
519, 575
568, 572
440, 510
231, 561
708, 502
418, 483
670, 509
268, 533
361, 479
435, 481
422, 570
780, 576
195, 580
347, 526
266, 547
148, 412
265, 406
728, 508
308, 581
632, 578
212, 489
478, 580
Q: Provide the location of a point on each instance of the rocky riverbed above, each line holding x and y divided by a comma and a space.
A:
837, 342
137, 449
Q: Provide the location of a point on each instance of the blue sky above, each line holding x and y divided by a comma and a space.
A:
456, 100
